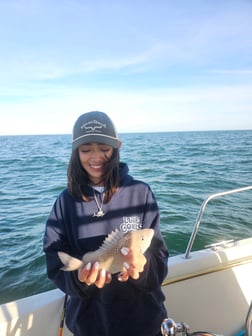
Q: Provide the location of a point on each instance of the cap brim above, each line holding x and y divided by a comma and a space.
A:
103, 139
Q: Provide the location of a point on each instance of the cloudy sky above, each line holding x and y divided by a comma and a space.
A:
160, 65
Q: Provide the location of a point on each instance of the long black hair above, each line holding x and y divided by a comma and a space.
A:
78, 178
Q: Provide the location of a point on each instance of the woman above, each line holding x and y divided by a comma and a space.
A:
101, 197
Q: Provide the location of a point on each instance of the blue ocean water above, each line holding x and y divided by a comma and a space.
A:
182, 169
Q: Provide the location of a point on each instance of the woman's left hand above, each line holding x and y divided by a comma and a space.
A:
133, 265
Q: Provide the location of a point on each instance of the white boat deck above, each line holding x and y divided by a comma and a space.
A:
212, 290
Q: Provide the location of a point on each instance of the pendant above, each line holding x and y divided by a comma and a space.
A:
99, 213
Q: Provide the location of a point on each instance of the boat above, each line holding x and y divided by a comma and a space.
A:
207, 290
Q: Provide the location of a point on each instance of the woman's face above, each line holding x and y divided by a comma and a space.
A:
93, 156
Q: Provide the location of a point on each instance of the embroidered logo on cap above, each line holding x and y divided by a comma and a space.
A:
93, 126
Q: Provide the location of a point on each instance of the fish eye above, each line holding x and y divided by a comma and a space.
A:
142, 238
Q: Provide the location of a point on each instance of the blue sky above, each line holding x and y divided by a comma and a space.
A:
159, 65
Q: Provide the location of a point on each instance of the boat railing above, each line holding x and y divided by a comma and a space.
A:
200, 214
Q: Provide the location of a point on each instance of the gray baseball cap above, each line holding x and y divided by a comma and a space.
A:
94, 126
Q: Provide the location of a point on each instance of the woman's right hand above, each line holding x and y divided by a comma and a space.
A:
92, 275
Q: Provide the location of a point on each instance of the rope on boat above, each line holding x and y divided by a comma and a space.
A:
62, 320
248, 321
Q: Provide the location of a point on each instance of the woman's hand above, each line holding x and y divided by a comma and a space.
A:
91, 274
133, 265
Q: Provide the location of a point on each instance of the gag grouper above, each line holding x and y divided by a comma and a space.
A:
109, 255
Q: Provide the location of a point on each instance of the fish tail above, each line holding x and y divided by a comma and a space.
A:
70, 263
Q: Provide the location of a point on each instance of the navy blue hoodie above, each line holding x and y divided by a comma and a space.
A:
132, 308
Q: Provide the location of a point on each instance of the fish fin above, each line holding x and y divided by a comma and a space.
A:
111, 239
70, 263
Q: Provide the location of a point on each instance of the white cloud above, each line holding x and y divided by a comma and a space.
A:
153, 110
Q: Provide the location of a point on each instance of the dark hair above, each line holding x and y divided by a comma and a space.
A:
78, 177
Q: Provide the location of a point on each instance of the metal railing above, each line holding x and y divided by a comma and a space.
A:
202, 209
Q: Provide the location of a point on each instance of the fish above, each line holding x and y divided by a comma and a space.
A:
109, 254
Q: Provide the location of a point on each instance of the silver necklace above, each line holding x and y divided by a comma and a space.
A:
100, 212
